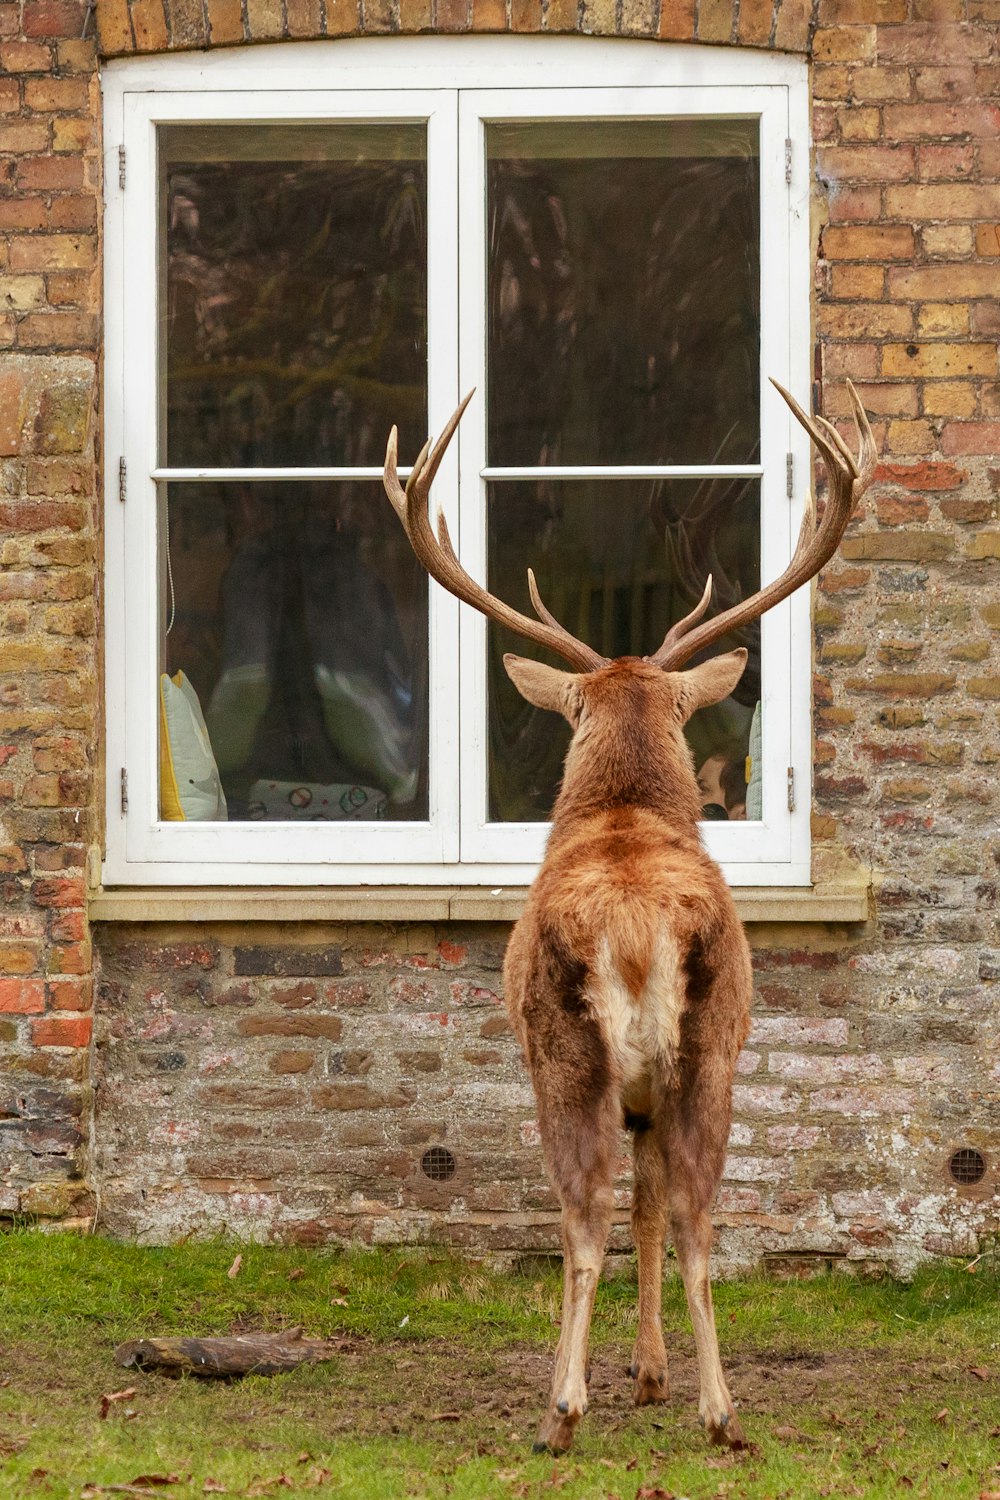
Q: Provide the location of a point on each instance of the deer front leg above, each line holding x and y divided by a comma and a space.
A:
649, 1225
585, 1231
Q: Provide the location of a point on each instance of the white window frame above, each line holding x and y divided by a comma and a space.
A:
455, 84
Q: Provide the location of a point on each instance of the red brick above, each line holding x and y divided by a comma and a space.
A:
971, 437
70, 994
918, 121
50, 172
22, 997
62, 1031
922, 476
866, 163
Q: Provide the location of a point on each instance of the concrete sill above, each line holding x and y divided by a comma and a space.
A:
847, 903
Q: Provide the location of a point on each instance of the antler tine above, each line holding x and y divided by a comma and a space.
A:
438, 556
682, 627
849, 477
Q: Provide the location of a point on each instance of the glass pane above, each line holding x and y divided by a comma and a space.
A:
617, 562
293, 293
299, 624
624, 308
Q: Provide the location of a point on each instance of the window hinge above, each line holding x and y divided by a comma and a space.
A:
122, 481
121, 167
791, 789
789, 473
788, 162
124, 785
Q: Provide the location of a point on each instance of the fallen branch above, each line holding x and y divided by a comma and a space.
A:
241, 1354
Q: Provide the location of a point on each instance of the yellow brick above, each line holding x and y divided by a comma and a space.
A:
942, 317
857, 282
947, 241
939, 359
952, 398
844, 44
911, 437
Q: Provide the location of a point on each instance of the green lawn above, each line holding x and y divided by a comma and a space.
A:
845, 1388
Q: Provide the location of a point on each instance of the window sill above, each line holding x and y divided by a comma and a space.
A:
841, 903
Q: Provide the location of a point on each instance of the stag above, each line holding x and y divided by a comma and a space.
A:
627, 978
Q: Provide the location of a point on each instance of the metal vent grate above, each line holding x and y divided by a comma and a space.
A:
438, 1164
967, 1166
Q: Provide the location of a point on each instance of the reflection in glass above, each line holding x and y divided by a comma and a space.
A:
300, 621
294, 293
624, 308
617, 562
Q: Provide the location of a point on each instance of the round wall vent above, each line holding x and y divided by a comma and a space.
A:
967, 1166
438, 1164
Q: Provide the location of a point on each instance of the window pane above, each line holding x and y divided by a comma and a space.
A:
623, 292
617, 562
293, 293
300, 624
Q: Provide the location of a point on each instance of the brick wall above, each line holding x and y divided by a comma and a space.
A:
286, 1085
238, 1086
50, 176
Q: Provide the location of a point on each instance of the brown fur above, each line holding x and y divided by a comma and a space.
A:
628, 983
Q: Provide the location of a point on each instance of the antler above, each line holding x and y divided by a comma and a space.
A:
437, 555
849, 478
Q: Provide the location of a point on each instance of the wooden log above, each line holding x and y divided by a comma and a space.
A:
241, 1354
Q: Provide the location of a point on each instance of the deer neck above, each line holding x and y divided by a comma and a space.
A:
634, 763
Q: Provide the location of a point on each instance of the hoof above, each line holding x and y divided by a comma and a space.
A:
726, 1432
555, 1435
651, 1388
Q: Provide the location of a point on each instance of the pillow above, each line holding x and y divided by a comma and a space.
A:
190, 786
311, 802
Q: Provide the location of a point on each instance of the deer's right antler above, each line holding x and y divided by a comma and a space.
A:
438, 556
849, 478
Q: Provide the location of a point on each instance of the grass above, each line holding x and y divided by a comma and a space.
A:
846, 1388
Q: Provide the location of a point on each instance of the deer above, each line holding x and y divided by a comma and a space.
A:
627, 978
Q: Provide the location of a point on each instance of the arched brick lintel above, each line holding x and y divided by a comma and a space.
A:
143, 26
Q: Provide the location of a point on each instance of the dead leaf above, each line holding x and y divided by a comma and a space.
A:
297, 1274
989, 1495
446, 1416
234, 1269
338, 1301
942, 1415
653, 1492
788, 1434
316, 1477
905, 1481
154, 1481
213, 1487
108, 1400
980, 1373
633, 1463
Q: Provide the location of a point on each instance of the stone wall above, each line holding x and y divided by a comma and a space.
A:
240, 1087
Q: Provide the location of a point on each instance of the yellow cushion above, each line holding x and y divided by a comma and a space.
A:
190, 786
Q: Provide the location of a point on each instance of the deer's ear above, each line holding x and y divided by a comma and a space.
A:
546, 687
711, 682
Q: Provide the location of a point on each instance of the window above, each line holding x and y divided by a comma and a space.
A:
314, 243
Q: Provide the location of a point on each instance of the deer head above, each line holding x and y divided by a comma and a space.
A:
607, 701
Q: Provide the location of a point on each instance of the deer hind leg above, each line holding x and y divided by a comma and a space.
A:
580, 1151
695, 1167
649, 1225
